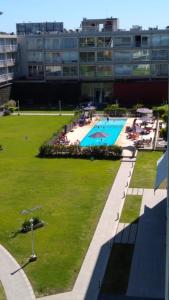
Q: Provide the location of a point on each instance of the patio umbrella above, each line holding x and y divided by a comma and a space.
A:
89, 108
144, 110
99, 134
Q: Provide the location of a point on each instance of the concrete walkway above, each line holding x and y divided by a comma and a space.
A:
147, 276
88, 283
42, 114
16, 286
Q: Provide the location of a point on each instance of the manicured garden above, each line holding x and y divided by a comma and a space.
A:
144, 173
71, 193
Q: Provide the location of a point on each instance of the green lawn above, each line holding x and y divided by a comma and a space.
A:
2, 292
144, 173
131, 209
72, 194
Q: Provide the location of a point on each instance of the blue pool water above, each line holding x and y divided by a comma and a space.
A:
103, 133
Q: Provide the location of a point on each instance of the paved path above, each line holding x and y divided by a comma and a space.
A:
42, 114
17, 286
88, 282
147, 277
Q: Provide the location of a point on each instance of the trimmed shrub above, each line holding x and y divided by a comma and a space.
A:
75, 151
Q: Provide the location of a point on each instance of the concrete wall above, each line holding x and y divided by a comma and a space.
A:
5, 94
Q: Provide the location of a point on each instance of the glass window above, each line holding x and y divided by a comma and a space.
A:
87, 56
159, 55
122, 41
104, 55
53, 70
123, 70
104, 70
141, 55
35, 70
52, 57
69, 43
35, 43
159, 69
69, 71
156, 40
35, 56
87, 42
52, 44
141, 70
87, 71
122, 56
164, 40
71, 56
104, 42
145, 40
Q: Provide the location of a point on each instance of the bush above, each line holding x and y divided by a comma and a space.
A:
163, 133
26, 226
1, 147
75, 151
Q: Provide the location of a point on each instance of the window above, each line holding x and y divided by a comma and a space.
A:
141, 55
122, 56
35, 43
160, 40
123, 70
141, 70
104, 55
69, 43
104, 70
69, 71
35, 70
122, 41
52, 44
159, 55
104, 42
71, 56
53, 70
87, 42
145, 40
87, 56
87, 71
35, 56
52, 57
160, 70
137, 40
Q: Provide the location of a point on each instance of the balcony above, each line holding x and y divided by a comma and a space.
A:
6, 77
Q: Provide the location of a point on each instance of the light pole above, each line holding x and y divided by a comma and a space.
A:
33, 256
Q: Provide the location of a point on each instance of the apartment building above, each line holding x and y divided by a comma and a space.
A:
100, 61
8, 48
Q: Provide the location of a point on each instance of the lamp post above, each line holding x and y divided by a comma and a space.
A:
33, 256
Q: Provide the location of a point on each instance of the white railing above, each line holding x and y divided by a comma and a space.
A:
6, 77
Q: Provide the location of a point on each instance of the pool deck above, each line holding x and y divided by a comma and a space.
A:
79, 132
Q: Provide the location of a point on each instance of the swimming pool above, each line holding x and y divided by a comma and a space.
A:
104, 133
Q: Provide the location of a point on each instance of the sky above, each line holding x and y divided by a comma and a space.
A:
146, 13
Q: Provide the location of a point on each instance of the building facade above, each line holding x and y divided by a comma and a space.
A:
106, 61
8, 48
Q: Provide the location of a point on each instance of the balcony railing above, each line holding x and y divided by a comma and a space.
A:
6, 77
7, 62
8, 48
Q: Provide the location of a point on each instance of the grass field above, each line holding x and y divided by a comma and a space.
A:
72, 194
2, 292
145, 170
131, 209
